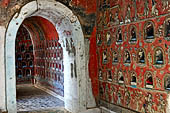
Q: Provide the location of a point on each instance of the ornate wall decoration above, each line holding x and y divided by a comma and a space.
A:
113, 15
161, 103
105, 17
141, 57
149, 32
109, 75
100, 74
127, 57
119, 36
120, 77
146, 8
133, 79
115, 57
149, 80
159, 59
140, 53
128, 15
100, 19
105, 57
168, 54
167, 29
127, 97
101, 90
120, 96
132, 35
107, 93
154, 9
108, 38
149, 103
167, 82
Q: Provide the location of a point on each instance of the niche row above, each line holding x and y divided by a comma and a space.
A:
49, 45
24, 64
48, 74
25, 74
53, 65
149, 34
24, 48
141, 57
51, 53
26, 56
49, 62
133, 79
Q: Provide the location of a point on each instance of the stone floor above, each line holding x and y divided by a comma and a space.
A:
56, 110
35, 100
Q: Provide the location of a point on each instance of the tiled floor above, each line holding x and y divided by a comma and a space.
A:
35, 100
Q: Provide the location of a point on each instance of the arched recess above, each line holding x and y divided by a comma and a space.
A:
70, 35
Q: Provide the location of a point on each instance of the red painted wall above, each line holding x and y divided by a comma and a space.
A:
5, 3
88, 5
118, 16
93, 65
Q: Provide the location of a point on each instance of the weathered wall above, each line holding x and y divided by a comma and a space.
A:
85, 11
133, 54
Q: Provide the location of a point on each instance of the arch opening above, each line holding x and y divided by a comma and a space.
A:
47, 60
72, 41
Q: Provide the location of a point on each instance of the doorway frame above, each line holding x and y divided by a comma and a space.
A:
75, 100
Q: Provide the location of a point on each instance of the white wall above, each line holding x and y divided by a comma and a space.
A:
2, 69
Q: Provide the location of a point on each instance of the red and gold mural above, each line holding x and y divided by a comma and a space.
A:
133, 50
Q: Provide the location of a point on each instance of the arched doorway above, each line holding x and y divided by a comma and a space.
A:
39, 66
72, 41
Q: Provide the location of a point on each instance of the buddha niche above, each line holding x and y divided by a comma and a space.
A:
119, 36
109, 75
133, 35
115, 57
19, 74
159, 56
22, 48
149, 80
105, 56
120, 77
141, 56
133, 79
127, 57
108, 37
100, 74
28, 72
167, 33
99, 40
167, 84
149, 31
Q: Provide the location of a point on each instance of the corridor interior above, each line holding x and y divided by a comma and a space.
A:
38, 63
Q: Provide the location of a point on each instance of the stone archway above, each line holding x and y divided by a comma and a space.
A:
70, 37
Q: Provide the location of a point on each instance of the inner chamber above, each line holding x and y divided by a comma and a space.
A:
39, 63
